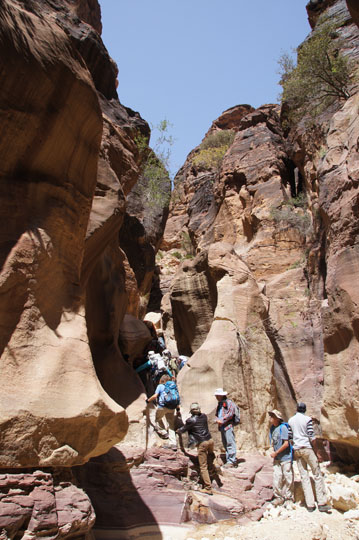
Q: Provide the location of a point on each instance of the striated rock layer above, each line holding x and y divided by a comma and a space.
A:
264, 298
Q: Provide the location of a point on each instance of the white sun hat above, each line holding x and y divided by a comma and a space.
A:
220, 392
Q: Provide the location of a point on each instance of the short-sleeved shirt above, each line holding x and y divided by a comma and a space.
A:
279, 435
160, 394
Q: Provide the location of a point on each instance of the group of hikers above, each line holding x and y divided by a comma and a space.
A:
227, 416
290, 440
156, 362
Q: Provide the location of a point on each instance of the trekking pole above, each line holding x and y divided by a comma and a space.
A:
147, 425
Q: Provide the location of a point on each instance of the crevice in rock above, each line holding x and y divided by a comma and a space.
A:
323, 267
235, 181
282, 380
293, 177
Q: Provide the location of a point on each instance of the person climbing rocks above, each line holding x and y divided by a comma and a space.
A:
144, 370
182, 361
165, 409
224, 417
170, 362
282, 459
159, 367
304, 446
197, 426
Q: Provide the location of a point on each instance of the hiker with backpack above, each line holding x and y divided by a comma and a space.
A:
304, 445
159, 368
197, 426
168, 400
227, 415
282, 459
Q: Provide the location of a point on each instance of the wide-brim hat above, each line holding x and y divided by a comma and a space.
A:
276, 413
220, 392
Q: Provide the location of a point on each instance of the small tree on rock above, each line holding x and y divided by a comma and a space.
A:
321, 76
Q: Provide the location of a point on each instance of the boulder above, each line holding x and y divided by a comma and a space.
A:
134, 335
343, 498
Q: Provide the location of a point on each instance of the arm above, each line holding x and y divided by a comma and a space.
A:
187, 426
228, 413
310, 430
152, 398
144, 366
277, 452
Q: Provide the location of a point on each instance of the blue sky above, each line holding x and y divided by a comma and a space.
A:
187, 61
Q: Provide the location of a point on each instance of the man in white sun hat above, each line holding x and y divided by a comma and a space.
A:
224, 417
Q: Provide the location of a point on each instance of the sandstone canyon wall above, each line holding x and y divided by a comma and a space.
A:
69, 159
264, 298
255, 277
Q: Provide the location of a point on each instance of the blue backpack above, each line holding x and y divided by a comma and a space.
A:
171, 398
280, 432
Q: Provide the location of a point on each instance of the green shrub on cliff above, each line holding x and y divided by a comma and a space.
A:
212, 149
154, 184
321, 76
293, 213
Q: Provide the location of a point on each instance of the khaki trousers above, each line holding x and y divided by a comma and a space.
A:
283, 480
169, 414
305, 457
206, 452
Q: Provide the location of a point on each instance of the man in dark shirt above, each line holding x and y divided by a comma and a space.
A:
197, 426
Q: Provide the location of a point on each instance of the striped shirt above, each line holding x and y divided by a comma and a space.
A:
301, 428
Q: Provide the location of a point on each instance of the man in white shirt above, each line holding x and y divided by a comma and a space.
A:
301, 427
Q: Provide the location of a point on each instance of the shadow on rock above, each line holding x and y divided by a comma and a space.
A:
114, 494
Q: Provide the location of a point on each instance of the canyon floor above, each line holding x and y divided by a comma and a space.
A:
291, 521
295, 524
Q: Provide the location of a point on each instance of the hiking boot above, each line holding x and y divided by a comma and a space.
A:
228, 465
324, 508
163, 434
207, 491
310, 508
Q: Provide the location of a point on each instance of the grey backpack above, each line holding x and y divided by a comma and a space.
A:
237, 415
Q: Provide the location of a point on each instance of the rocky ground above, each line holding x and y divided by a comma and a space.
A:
294, 521
295, 524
